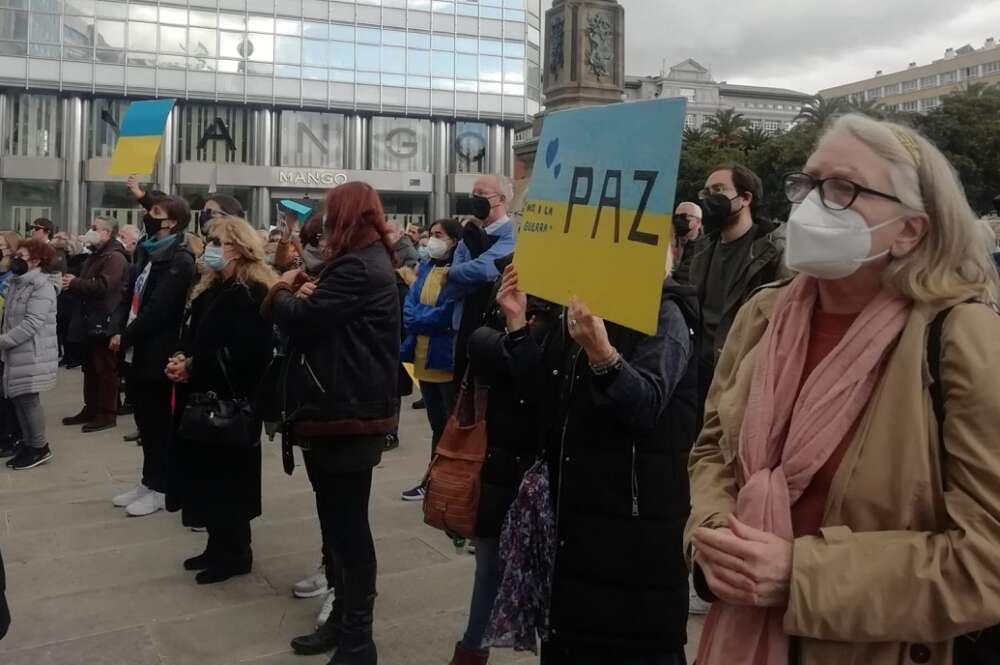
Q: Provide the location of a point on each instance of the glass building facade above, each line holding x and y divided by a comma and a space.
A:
275, 98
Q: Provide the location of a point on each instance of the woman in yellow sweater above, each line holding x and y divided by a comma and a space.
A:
430, 338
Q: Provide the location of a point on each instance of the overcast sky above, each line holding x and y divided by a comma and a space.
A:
804, 45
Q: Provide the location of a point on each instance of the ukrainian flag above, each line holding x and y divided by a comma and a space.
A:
140, 137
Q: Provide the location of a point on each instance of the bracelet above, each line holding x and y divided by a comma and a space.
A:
608, 367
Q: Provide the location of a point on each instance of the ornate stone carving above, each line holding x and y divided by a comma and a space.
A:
600, 45
556, 43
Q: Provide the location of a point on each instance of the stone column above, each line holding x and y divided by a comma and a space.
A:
584, 53
439, 164
73, 128
265, 157
165, 166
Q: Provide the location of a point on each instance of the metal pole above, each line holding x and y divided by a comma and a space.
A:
72, 160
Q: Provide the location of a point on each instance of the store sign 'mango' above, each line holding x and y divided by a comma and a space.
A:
311, 177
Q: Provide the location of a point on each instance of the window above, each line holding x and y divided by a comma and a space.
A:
910, 107
400, 144
691, 120
930, 103
991, 68
417, 62
970, 72
443, 64
33, 130
929, 82
756, 123
892, 89
873, 93
949, 77
687, 93
909, 86
311, 139
772, 125
199, 120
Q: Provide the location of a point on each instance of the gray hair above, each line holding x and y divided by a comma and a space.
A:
950, 262
111, 223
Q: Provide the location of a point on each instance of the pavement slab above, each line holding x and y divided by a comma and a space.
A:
90, 586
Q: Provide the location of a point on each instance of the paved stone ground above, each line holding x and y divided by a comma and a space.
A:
89, 586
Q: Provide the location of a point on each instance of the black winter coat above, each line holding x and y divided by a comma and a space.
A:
221, 486
154, 334
341, 386
617, 448
513, 438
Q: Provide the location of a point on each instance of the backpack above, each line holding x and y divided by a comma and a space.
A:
453, 481
983, 647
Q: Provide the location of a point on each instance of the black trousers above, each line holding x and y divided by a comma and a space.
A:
230, 543
342, 504
151, 401
100, 378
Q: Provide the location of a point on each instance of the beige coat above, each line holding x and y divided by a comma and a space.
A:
909, 554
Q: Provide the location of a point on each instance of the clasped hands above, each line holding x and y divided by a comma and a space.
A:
306, 287
744, 565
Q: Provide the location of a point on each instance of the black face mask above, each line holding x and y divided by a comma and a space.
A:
18, 266
152, 225
682, 225
718, 212
481, 207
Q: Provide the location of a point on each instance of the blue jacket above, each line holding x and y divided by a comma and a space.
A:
468, 274
433, 321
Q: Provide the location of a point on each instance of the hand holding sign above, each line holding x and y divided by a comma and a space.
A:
512, 300
589, 332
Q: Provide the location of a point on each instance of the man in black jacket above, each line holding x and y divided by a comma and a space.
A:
99, 289
740, 250
161, 277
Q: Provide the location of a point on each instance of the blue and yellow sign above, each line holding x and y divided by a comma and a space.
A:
597, 223
140, 137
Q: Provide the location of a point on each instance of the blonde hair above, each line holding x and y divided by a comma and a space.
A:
250, 266
950, 262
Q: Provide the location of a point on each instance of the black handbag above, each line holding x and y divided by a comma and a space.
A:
211, 421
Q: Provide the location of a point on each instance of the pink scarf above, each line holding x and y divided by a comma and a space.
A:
787, 436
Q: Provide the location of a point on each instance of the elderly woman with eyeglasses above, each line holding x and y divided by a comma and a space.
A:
837, 515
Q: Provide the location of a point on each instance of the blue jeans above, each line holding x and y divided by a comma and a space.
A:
484, 592
439, 398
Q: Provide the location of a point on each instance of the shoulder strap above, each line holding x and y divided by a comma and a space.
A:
934, 333
934, 363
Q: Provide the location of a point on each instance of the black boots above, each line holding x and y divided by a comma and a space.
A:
356, 646
327, 636
227, 555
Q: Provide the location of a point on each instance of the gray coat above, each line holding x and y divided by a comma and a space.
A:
28, 343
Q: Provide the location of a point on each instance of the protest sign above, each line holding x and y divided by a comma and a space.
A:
597, 223
140, 137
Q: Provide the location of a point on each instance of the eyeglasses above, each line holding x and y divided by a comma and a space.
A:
717, 188
39, 228
835, 193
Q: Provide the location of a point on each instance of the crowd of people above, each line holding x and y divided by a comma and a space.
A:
804, 450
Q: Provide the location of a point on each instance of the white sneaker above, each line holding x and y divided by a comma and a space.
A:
312, 586
134, 494
146, 504
326, 610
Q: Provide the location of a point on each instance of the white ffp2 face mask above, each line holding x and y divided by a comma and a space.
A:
829, 244
438, 248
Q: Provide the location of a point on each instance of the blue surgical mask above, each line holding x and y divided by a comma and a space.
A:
214, 258
423, 252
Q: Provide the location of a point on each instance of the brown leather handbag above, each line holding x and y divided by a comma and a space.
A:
452, 485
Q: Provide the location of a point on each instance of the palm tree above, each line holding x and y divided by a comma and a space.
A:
726, 126
872, 108
818, 112
978, 89
695, 135
754, 137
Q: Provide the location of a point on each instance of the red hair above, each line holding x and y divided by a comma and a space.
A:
355, 219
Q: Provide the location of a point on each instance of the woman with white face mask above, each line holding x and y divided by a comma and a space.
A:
430, 338
837, 515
